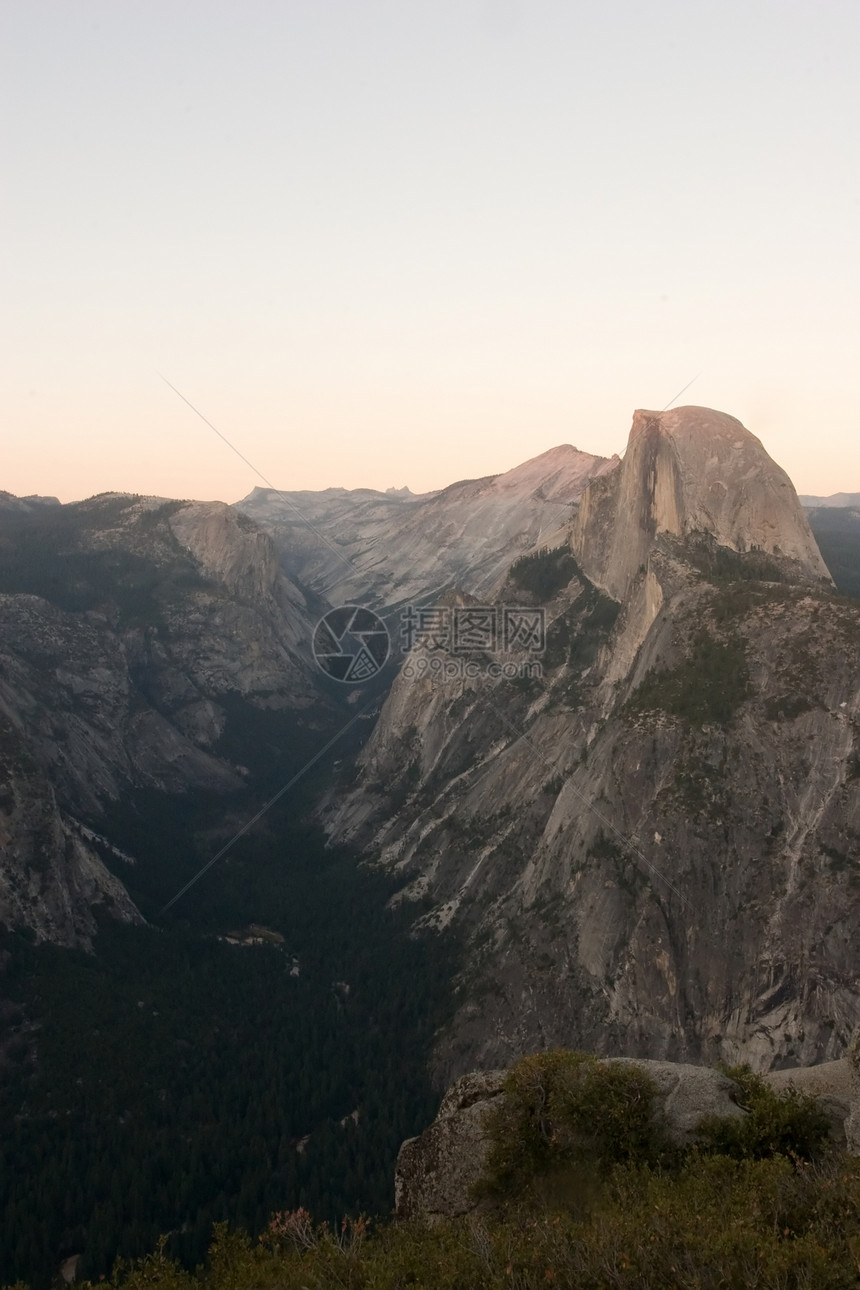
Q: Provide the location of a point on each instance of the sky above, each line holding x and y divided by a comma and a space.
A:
386, 243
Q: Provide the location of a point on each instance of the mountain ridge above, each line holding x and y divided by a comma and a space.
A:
130, 629
835, 500
383, 549
712, 715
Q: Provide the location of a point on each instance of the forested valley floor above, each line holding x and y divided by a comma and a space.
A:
173, 1080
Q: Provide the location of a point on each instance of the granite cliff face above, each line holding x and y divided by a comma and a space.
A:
127, 628
386, 548
51, 876
132, 629
654, 849
650, 849
687, 473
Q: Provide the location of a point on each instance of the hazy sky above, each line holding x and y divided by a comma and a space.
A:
386, 243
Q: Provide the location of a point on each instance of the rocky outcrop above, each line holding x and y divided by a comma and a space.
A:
836, 1087
437, 1172
51, 878
685, 1094
690, 472
653, 849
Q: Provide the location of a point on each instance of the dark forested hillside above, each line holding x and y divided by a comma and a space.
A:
837, 532
264, 1042
175, 1079
49, 553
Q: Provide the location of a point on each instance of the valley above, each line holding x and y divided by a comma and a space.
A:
647, 846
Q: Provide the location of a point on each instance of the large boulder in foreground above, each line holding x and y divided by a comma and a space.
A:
835, 1087
437, 1171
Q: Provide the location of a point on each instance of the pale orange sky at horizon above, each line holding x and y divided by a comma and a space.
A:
379, 244
195, 456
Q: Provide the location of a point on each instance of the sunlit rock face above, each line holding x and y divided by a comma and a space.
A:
383, 548
654, 849
690, 472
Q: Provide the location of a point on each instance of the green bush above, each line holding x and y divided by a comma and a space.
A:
785, 1122
567, 1109
563, 1111
545, 572
706, 688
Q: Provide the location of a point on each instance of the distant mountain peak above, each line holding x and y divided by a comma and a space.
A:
33, 501
558, 475
836, 501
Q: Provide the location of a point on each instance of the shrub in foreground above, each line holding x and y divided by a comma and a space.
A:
784, 1122
565, 1112
715, 1222
593, 1196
